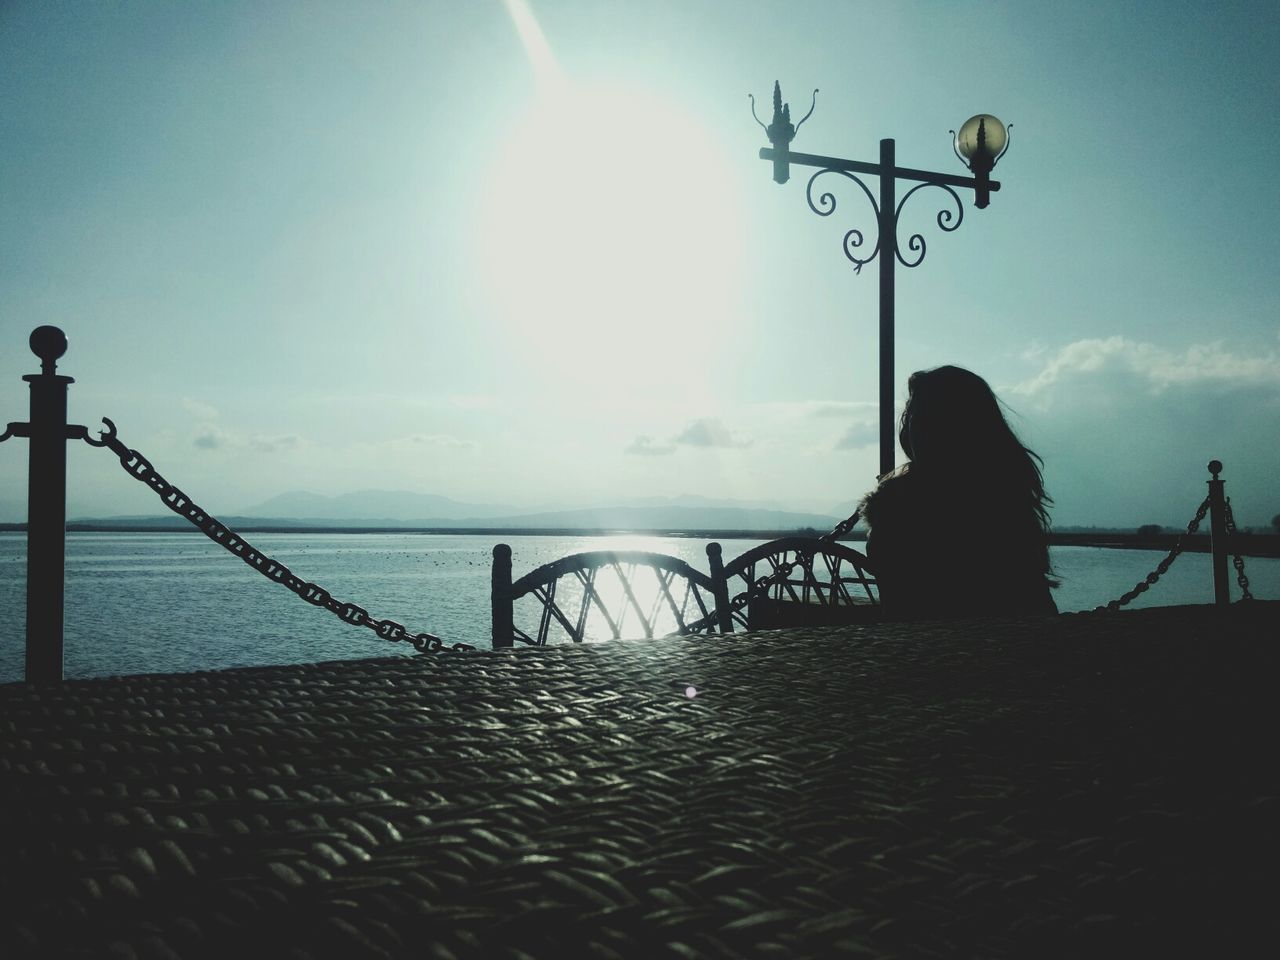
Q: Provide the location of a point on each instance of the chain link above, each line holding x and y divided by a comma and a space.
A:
1178, 546
1237, 561
140, 468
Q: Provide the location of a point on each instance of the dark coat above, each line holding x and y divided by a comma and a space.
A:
948, 550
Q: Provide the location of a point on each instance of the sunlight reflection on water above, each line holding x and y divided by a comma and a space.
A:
177, 602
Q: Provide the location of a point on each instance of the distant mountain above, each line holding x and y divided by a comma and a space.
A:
392, 509
843, 510
693, 500
665, 518
368, 505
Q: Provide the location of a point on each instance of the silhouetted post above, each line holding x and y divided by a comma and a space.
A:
888, 240
503, 614
715, 561
979, 145
1218, 535
46, 508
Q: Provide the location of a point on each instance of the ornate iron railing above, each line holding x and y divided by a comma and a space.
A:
688, 600
601, 593
804, 580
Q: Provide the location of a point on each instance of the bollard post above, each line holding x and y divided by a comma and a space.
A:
1218, 535
503, 614
715, 561
46, 508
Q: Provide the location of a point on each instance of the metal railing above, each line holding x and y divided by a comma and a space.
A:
48, 433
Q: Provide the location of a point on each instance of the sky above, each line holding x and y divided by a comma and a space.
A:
524, 251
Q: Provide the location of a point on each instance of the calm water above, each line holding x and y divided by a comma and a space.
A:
161, 602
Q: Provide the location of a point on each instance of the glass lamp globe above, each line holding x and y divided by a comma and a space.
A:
967, 139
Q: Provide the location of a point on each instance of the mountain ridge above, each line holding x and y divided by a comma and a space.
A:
590, 518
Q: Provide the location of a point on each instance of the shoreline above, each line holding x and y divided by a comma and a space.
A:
1262, 545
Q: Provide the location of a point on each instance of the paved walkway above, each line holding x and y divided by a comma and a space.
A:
1078, 786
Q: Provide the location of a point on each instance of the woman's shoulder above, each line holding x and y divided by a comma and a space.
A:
893, 495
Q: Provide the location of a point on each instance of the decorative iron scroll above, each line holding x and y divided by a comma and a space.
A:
824, 205
854, 238
915, 243
140, 468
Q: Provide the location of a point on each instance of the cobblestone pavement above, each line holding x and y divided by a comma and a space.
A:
1086, 785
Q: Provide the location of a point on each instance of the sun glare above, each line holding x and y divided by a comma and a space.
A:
610, 242
546, 71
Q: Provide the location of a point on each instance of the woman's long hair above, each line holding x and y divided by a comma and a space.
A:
953, 429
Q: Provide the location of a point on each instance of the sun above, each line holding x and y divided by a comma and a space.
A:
610, 238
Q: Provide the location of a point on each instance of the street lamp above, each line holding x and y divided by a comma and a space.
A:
980, 144
982, 141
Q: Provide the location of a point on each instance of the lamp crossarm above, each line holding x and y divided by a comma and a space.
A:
859, 166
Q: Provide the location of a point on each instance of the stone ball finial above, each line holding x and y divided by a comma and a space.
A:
48, 343
1215, 467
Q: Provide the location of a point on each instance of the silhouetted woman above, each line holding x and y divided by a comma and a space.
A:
961, 530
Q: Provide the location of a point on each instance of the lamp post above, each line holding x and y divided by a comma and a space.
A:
981, 142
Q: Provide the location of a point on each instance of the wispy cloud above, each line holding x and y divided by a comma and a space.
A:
858, 435
709, 432
1158, 367
275, 444
812, 409
646, 446
703, 433
843, 408
210, 438
444, 441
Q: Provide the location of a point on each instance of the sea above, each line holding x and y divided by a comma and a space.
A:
177, 602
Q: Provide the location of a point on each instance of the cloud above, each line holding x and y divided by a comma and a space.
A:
275, 444
845, 408
444, 441
705, 433
1205, 364
859, 435
210, 438
709, 433
1126, 426
791, 410
645, 446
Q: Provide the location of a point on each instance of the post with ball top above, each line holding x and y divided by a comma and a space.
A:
980, 144
1218, 534
48, 432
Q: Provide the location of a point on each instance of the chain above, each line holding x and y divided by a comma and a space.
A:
1179, 545
1237, 561
140, 468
